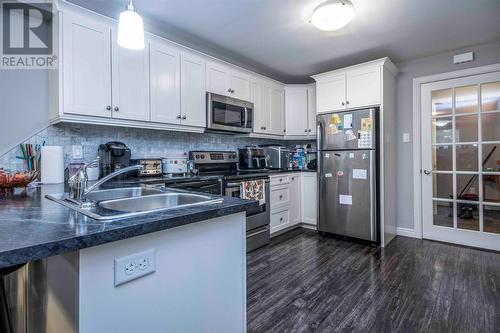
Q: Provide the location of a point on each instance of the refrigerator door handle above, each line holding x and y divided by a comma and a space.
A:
318, 135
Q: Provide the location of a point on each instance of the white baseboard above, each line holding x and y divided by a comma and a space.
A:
308, 226
406, 232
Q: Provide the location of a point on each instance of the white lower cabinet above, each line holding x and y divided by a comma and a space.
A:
295, 197
309, 198
292, 200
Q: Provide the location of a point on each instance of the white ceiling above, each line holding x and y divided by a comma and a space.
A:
273, 37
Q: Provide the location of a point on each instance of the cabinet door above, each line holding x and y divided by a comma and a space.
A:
280, 219
296, 113
309, 199
218, 79
331, 93
130, 82
363, 87
193, 92
87, 66
165, 84
240, 86
311, 111
265, 111
295, 198
277, 114
259, 116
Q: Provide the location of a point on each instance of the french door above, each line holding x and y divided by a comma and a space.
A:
461, 160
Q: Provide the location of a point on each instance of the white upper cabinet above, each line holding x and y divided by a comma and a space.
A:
260, 119
130, 80
353, 87
193, 91
277, 119
363, 87
165, 84
311, 108
218, 79
296, 110
240, 86
227, 81
330, 93
87, 66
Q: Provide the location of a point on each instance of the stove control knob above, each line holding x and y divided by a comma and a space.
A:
202, 156
197, 156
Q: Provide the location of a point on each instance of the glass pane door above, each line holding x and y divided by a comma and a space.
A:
461, 119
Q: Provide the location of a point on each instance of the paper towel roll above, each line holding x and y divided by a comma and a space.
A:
52, 164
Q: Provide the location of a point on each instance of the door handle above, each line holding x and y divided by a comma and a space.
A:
427, 172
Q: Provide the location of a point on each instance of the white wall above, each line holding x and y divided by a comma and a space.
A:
24, 105
485, 54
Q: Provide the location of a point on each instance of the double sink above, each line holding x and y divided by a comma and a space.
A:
116, 203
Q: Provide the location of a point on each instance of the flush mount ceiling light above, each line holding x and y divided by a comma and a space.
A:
131, 29
332, 15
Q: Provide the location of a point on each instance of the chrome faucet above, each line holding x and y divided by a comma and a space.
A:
78, 189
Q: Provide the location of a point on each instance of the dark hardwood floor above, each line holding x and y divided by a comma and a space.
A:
304, 282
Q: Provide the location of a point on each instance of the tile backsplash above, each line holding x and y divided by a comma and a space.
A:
142, 142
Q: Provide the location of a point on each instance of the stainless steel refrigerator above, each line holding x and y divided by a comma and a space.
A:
347, 175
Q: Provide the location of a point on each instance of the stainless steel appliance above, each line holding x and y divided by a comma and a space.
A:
175, 165
347, 163
150, 166
113, 156
229, 114
251, 158
225, 164
277, 156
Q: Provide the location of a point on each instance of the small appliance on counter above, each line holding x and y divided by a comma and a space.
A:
113, 156
174, 165
252, 157
277, 156
151, 166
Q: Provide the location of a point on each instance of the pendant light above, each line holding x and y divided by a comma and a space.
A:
131, 29
332, 15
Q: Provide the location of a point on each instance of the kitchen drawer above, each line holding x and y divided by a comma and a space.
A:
280, 180
280, 196
280, 220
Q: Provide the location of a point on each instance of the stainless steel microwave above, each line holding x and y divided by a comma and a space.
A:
229, 114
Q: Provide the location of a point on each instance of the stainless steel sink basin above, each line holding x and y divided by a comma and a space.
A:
121, 193
156, 202
127, 202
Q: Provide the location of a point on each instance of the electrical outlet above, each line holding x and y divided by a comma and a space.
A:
77, 152
406, 137
134, 266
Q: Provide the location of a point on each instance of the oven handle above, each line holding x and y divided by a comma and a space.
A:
241, 183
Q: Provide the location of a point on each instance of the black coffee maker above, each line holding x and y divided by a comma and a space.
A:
113, 156
252, 157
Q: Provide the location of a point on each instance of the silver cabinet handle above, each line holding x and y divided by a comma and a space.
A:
184, 117
427, 172
116, 108
108, 107
179, 116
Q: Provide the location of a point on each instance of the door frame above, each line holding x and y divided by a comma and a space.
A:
417, 130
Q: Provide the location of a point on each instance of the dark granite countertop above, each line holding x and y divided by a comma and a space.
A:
33, 227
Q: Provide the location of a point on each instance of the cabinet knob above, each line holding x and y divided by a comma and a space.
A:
178, 116
347, 102
108, 107
284, 130
116, 108
281, 179
229, 90
184, 117
281, 196
343, 103
305, 130
310, 131
281, 219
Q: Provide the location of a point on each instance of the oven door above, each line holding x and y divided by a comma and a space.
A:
229, 114
257, 219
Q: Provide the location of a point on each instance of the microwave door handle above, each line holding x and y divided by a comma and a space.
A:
246, 118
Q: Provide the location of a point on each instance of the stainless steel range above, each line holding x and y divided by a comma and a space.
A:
225, 165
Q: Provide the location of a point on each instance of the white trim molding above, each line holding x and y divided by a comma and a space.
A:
406, 232
417, 149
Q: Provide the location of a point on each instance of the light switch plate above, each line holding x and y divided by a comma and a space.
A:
406, 137
134, 266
